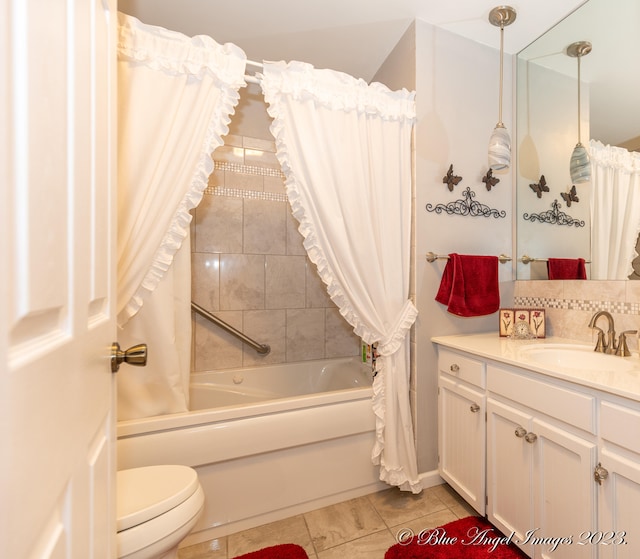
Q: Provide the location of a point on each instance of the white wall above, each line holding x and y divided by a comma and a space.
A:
457, 105
399, 69
250, 117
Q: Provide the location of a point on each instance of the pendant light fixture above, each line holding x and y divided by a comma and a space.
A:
500, 142
579, 166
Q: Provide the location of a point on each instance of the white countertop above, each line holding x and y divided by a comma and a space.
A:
625, 383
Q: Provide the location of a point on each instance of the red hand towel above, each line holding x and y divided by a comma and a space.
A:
469, 285
566, 269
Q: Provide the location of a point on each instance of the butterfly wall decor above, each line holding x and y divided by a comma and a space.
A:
466, 206
570, 196
489, 180
450, 179
540, 187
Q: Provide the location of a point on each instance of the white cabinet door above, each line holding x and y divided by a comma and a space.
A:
564, 491
509, 469
57, 235
461, 439
619, 506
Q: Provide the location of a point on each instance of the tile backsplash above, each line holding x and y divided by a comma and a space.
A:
249, 267
571, 304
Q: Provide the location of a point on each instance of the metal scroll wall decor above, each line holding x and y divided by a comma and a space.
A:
467, 205
554, 215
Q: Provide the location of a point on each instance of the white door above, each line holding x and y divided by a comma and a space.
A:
509, 470
57, 239
564, 490
461, 441
619, 506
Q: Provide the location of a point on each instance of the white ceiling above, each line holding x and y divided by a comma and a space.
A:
352, 36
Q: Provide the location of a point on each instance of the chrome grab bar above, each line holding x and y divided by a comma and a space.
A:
263, 349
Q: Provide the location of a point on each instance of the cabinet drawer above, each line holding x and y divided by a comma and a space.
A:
620, 425
462, 367
574, 408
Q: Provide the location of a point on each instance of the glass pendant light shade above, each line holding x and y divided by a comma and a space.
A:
580, 165
499, 148
500, 142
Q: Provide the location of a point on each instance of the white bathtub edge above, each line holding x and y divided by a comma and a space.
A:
247, 437
134, 427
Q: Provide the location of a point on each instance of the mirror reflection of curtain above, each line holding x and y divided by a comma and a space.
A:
345, 149
615, 211
175, 97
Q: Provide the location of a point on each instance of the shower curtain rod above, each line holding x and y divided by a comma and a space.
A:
253, 79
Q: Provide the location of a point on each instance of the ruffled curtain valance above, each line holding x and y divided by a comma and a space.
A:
161, 49
345, 149
302, 81
614, 157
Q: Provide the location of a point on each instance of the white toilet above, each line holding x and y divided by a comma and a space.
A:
157, 507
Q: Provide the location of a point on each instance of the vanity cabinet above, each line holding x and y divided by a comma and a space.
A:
553, 458
619, 491
461, 437
539, 469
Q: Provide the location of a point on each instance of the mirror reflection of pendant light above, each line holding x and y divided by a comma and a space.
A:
500, 142
579, 166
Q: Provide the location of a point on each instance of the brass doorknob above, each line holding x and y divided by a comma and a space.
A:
136, 355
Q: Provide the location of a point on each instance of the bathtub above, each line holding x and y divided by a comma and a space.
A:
267, 442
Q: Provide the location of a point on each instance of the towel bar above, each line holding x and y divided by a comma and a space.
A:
432, 257
527, 259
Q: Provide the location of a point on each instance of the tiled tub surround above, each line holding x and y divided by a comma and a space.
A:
571, 304
249, 268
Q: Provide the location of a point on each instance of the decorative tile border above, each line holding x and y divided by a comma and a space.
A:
618, 307
242, 193
248, 169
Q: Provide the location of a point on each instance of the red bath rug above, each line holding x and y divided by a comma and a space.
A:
471, 537
284, 551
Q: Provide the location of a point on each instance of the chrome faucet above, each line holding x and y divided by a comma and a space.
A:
609, 345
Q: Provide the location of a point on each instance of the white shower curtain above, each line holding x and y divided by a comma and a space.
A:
345, 149
615, 210
175, 98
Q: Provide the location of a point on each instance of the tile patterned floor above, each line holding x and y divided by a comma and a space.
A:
362, 528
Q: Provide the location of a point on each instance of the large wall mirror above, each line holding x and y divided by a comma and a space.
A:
555, 218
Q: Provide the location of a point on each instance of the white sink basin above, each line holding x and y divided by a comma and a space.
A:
577, 357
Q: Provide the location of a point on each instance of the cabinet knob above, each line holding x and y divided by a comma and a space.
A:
531, 438
520, 432
474, 408
600, 473
454, 368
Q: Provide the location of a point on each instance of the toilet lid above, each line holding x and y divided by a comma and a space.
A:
144, 493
